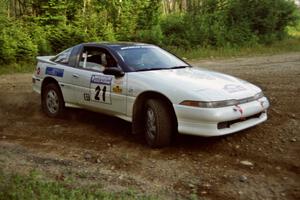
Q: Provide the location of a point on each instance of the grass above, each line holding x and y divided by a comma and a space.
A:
291, 44
22, 67
32, 187
285, 46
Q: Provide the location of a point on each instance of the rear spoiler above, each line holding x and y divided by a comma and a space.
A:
45, 59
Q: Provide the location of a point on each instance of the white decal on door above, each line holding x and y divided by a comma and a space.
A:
100, 88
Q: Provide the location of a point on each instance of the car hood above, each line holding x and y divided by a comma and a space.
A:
196, 84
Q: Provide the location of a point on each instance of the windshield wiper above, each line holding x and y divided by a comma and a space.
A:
178, 67
161, 68
149, 69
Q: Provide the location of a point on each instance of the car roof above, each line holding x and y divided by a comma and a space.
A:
117, 45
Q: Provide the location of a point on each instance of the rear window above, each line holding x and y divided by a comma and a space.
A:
63, 57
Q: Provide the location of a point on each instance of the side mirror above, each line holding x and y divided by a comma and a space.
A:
115, 71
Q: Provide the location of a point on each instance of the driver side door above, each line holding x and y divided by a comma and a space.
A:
95, 90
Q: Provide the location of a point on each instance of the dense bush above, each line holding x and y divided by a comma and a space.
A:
56, 24
230, 23
154, 35
15, 43
265, 19
175, 31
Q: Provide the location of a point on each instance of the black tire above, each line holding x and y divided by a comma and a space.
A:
159, 136
52, 111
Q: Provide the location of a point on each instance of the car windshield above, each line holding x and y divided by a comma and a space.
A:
144, 58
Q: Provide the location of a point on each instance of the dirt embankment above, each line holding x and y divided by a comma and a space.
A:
87, 148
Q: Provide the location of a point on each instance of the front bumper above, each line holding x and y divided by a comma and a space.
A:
206, 121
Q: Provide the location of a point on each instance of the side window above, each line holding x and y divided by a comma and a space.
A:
63, 57
96, 58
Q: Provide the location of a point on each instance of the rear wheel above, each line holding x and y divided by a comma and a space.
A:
158, 123
52, 101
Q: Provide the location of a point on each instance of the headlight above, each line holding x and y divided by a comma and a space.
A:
219, 104
259, 95
210, 104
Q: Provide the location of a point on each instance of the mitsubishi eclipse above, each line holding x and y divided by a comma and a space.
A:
150, 87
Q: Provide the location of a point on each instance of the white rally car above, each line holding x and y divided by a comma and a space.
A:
144, 84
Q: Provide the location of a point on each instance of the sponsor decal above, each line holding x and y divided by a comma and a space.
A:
117, 89
231, 88
87, 97
130, 92
55, 71
240, 110
103, 80
138, 47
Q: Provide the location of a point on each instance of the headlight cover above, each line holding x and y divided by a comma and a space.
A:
219, 104
209, 104
259, 95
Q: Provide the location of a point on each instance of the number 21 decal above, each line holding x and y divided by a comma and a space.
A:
98, 90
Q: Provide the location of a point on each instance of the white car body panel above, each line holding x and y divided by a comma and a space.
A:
190, 83
205, 120
177, 85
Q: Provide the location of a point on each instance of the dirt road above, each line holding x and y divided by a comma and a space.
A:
87, 148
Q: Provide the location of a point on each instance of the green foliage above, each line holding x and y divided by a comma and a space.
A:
63, 37
33, 187
20, 67
294, 31
47, 27
149, 14
175, 30
265, 19
284, 46
39, 37
15, 43
221, 23
52, 12
152, 36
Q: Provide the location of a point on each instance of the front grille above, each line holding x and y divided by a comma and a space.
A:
227, 124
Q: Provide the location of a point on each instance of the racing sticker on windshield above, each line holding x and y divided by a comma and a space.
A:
100, 89
234, 88
55, 71
138, 47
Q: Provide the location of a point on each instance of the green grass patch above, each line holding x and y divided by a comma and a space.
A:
32, 187
23, 67
285, 46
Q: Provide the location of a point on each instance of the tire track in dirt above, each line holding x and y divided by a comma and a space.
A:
94, 149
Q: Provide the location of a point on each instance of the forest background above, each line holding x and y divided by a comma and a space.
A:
38, 27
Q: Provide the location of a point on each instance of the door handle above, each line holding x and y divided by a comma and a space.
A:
75, 76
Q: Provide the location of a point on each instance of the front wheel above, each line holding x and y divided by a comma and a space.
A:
52, 101
158, 123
